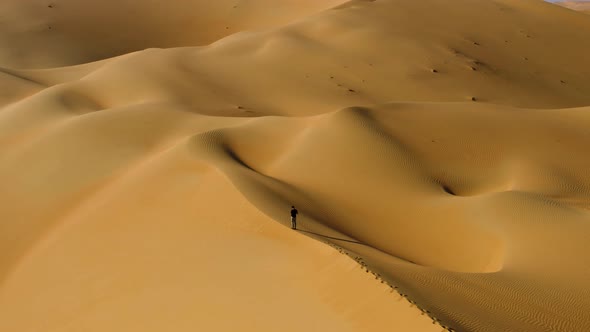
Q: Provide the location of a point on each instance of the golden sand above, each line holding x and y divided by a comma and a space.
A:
442, 147
583, 6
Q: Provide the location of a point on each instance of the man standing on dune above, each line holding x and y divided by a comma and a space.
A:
294, 213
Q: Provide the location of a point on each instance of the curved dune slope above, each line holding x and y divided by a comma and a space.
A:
150, 191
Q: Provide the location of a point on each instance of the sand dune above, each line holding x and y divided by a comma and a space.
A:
68, 32
436, 153
583, 6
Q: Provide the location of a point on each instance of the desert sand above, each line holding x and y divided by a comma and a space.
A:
583, 6
436, 151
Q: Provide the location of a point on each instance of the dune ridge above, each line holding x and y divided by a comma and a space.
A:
149, 190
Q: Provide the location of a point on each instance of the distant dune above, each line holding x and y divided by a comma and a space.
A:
583, 6
436, 151
68, 32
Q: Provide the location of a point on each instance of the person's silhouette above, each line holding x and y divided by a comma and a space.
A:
294, 214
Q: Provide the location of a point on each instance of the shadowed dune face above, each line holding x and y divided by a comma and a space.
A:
149, 191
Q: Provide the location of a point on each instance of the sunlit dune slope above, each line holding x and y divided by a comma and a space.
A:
440, 146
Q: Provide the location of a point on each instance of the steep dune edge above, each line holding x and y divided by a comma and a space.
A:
151, 184
490, 230
489, 221
188, 269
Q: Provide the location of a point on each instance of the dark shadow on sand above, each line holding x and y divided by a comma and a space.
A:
331, 237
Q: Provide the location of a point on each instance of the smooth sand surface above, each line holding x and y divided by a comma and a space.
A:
65, 32
437, 153
583, 6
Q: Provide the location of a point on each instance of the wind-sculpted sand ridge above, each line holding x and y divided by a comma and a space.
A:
261, 170
150, 191
128, 182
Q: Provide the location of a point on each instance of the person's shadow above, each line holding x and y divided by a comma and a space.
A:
331, 237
